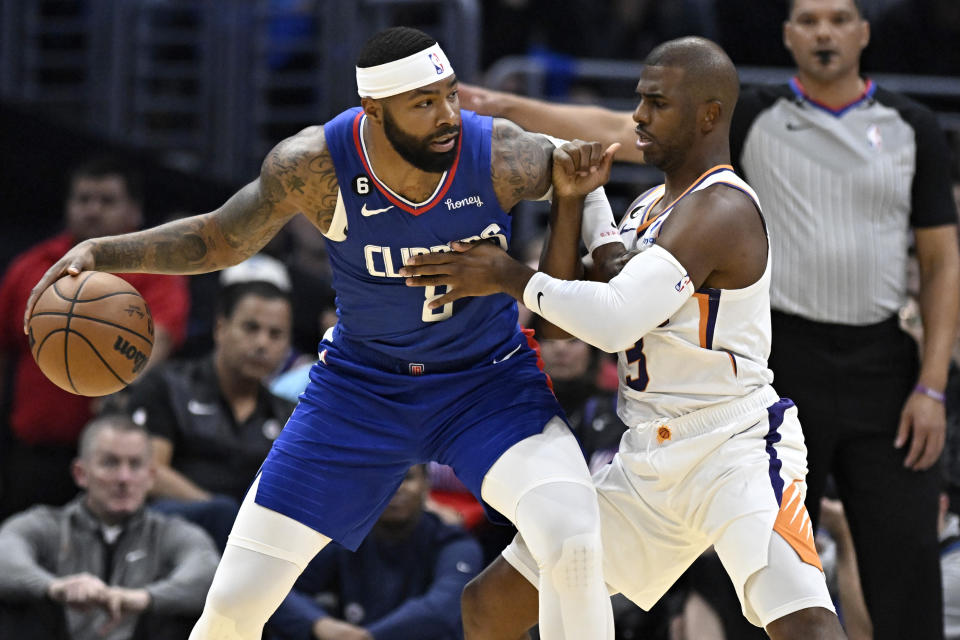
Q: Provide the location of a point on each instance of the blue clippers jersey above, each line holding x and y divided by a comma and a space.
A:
380, 317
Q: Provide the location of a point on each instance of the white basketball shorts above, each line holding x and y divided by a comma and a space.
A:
728, 476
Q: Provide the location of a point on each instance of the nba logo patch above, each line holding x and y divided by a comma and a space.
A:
435, 59
873, 137
416, 369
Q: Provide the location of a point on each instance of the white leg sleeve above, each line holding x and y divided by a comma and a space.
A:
787, 584
543, 485
265, 554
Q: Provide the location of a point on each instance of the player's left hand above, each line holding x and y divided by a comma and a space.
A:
580, 167
923, 422
471, 269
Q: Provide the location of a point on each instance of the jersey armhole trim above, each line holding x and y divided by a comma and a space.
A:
338, 226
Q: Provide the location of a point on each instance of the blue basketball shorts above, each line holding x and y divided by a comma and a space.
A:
357, 429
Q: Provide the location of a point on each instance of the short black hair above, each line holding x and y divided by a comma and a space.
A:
101, 167
393, 44
231, 295
857, 4
709, 72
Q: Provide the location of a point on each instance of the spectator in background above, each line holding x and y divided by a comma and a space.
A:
212, 419
103, 567
264, 268
404, 581
104, 199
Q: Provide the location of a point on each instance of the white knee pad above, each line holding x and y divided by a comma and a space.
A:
561, 524
579, 565
558, 517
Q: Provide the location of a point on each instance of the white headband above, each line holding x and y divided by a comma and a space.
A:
414, 71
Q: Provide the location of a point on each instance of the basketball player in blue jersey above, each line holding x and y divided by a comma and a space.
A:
400, 381
713, 455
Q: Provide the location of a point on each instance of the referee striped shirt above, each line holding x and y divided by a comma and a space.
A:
842, 190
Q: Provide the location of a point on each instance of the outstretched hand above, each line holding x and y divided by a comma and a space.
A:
78, 259
580, 167
471, 269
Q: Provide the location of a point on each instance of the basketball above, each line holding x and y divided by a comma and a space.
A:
91, 334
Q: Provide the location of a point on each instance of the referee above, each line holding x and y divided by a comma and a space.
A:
850, 175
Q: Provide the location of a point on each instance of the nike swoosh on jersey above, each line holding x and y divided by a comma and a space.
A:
372, 212
798, 126
539, 295
507, 357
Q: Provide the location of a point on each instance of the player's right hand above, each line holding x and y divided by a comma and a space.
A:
80, 258
580, 167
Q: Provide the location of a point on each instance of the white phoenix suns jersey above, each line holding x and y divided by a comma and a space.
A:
714, 348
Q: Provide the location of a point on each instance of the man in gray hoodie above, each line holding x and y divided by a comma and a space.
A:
102, 566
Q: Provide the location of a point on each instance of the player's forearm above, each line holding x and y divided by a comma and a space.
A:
613, 316
198, 244
512, 277
561, 253
191, 245
570, 121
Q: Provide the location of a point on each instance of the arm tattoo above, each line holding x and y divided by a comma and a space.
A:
323, 179
294, 183
297, 175
176, 247
522, 164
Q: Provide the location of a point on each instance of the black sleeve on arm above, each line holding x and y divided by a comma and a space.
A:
932, 202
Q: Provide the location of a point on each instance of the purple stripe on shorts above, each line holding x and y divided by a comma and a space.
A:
775, 418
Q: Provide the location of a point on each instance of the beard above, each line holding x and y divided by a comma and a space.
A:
417, 151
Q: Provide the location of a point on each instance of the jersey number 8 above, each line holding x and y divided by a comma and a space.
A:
433, 292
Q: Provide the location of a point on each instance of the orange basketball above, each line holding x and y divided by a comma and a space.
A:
91, 334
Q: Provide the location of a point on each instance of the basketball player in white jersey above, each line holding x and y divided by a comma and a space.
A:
713, 455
